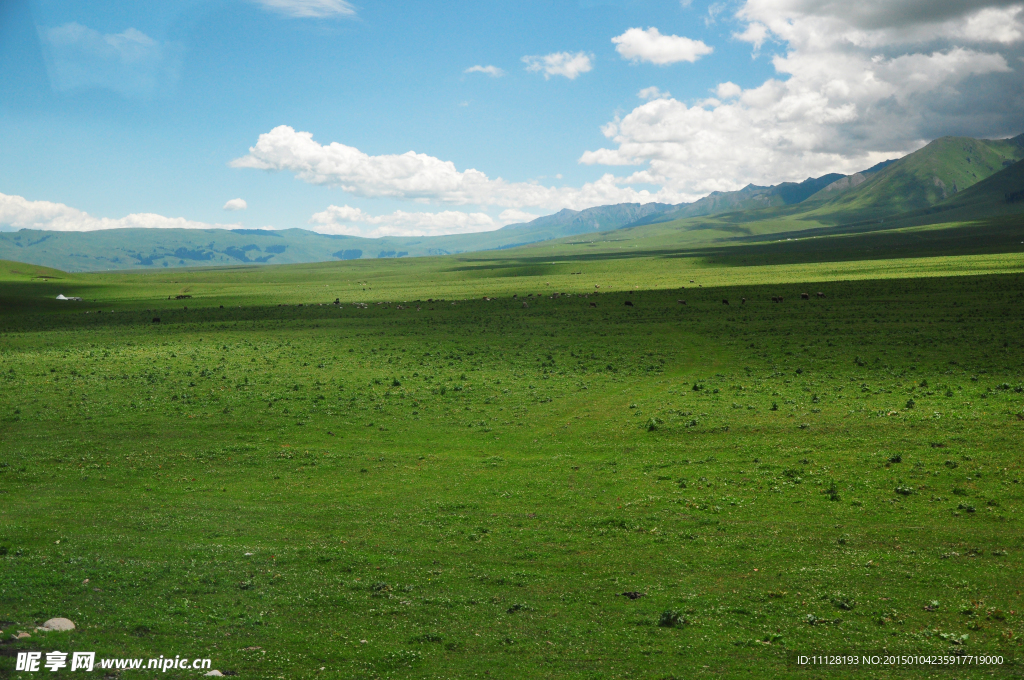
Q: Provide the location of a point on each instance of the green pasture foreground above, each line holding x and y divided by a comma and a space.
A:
491, 490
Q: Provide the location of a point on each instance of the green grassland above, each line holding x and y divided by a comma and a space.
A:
443, 486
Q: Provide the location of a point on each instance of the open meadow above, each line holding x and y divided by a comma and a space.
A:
580, 477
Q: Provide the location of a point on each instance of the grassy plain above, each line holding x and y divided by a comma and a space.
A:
469, 489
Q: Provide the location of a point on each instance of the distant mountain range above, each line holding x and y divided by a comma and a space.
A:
927, 179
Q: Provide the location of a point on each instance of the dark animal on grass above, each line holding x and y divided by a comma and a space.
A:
725, 302
805, 296
525, 305
593, 304
682, 302
628, 303
743, 301
156, 319
820, 294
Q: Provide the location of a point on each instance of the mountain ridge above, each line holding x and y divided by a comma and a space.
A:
931, 176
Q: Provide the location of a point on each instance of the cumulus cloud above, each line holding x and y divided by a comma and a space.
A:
417, 176
728, 90
649, 93
755, 34
354, 222
856, 83
130, 63
492, 71
21, 213
651, 46
236, 204
310, 9
886, 22
565, 64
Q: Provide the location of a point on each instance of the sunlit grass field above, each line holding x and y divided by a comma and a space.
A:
439, 485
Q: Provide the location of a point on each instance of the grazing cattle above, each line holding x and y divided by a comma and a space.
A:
743, 301
593, 304
156, 319
805, 296
820, 294
725, 302
515, 295
628, 303
682, 302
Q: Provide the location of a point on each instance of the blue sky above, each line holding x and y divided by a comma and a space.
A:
111, 109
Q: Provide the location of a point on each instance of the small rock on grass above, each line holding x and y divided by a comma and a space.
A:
58, 623
215, 673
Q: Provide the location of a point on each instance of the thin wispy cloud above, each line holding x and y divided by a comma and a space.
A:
310, 9
566, 64
130, 63
492, 71
649, 93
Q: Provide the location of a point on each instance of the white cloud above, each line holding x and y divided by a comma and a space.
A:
755, 33
1002, 25
310, 9
565, 64
130, 63
817, 24
354, 222
857, 83
651, 46
513, 216
714, 10
419, 177
728, 90
649, 93
21, 213
492, 71
236, 204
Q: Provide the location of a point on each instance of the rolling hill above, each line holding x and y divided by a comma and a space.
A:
938, 178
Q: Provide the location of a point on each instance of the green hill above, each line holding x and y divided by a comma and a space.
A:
939, 177
11, 271
926, 177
